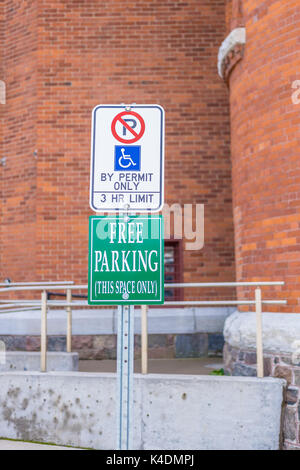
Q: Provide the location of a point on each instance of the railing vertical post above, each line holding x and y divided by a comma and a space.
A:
44, 332
259, 342
144, 338
69, 320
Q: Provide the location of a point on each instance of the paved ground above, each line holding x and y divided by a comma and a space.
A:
19, 445
199, 366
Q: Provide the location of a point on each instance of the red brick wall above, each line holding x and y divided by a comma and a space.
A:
228, 15
1, 114
113, 52
18, 139
233, 14
265, 149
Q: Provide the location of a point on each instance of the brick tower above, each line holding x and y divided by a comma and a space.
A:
259, 60
265, 142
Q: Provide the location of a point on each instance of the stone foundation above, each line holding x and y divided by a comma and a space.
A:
173, 332
284, 362
160, 346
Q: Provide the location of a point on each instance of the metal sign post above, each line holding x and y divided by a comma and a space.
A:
126, 268
125, 370
126, 258
125, 360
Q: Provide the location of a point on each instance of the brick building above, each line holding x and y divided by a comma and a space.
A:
259, 60
59, 60
232, 142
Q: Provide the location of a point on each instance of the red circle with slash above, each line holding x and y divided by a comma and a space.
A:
119, 118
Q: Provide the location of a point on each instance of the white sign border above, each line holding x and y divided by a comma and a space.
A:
128, 301
162, 158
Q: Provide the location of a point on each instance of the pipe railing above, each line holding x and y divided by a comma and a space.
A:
44, 304
40, 283
62, 286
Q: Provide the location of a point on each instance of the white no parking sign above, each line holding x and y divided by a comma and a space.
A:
127, 158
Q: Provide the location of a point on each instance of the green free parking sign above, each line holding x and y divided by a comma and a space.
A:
126, 260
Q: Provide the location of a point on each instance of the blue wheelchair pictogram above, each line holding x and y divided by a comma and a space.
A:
127, 157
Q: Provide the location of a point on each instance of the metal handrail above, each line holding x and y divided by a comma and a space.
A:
225, 284
167, 285
18, 309
48, 283
42, 287
58, 303
44, 304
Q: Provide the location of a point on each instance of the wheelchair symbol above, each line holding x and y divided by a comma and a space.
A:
127, 158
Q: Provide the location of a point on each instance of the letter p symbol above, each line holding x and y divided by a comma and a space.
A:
133, 125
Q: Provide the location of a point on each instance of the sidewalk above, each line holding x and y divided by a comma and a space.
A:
197, 366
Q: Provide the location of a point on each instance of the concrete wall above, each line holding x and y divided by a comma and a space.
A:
23, 361
171, 412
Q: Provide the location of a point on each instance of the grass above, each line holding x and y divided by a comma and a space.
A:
43, 443
217, 372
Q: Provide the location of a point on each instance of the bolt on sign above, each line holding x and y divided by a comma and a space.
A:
126, 260
127, 158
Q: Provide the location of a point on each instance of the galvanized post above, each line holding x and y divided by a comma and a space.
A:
44, 331
125, 359
144, 338
259, 343
69, 321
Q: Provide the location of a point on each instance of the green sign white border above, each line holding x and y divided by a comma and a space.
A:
159, 301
